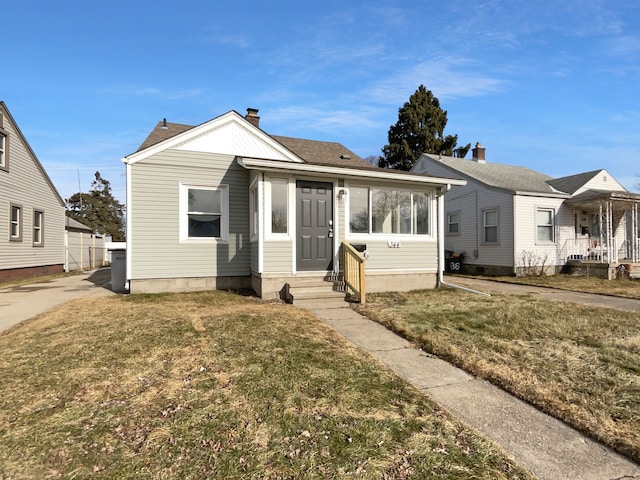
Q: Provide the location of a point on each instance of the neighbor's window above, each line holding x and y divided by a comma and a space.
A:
453, 223
490, 222
38, 226
205, 212
279, 205
4, 163
392, 211
15, 223
545, 225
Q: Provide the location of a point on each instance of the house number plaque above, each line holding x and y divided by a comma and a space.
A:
392, 244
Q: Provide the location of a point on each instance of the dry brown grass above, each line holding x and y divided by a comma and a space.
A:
580, 364
215, 385
623, 287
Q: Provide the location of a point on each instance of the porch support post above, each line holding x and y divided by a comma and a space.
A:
601, 227
611, 248
634, 233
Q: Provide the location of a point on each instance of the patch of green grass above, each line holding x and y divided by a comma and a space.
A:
578, 363
215, 385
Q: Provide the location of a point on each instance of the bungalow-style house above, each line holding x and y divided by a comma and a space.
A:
32, 226
226, 205
513, 220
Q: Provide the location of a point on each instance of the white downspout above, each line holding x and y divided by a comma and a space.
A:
440, 282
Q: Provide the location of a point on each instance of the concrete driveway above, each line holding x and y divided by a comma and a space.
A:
26, 301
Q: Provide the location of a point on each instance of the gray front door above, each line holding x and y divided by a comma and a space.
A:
314, 220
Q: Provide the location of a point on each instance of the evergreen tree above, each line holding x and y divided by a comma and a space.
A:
98, 209
420, 129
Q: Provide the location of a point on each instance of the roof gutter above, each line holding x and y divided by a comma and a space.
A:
308, 168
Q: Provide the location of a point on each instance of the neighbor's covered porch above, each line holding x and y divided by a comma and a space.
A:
606, 230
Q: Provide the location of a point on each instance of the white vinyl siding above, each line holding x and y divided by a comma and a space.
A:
156, 250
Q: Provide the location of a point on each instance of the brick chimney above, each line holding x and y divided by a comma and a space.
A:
478, 153
252, 117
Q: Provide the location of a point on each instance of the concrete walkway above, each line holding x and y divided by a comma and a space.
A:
26, 301
541, 444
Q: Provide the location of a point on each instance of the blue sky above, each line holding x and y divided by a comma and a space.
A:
551, 85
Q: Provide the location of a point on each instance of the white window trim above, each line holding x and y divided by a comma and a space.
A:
291, 194
18, 223
3, 149
448, 223
553, 226
484, 226
382, 236
254, 211
184, 218
40, 228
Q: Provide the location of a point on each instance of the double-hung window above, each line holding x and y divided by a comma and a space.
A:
38, 228
4, 158
490, 226
204, 213
15, 223
388, 211
453, 223
545, 225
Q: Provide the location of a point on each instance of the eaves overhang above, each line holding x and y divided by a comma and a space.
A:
324, 170
543, 194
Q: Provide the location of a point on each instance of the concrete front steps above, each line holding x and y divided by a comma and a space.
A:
327, 290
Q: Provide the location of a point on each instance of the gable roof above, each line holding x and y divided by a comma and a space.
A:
310, 156
311, 151
573, 183
506, 177
5, 111
162, 131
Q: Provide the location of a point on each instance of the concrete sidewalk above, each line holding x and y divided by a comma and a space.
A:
26, 301
545, 446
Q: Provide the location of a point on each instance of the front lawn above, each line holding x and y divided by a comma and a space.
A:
215, 385
623, 287
580, 364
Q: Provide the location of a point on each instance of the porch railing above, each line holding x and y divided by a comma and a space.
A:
589, 249
353, 266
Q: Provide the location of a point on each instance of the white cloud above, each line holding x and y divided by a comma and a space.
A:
447, 78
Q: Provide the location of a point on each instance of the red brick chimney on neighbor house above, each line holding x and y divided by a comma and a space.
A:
478, 153
252, 117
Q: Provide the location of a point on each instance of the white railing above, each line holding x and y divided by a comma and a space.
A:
589, 249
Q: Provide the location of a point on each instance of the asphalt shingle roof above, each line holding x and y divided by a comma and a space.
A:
507, 177
311, 151
572, 183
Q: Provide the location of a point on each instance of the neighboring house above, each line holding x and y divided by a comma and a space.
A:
226, 205
84, 249
32, 211
509, 219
